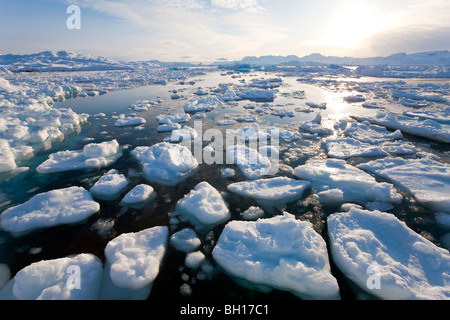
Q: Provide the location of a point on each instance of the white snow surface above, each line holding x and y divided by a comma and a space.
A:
92, 156
133, 262
203, 207
139, 194
47, 209
55, 280
345, 183
281, 253
110, 185
129, 121
166, 163
410, 266
252, 164
426, 179
185, 240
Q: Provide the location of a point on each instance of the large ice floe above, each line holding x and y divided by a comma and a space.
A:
384, 257
92, 156
335, 181
132, 264
423, 128
203, 207
272, 193
277, 253
47, 209
426, 179
75, 277
203, 104
166, 163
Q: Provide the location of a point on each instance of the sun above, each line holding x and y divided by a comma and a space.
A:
353, 23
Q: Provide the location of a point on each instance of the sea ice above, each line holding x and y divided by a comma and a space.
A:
252, 164
370, 244
132, 264
314, 126
204, 207
277, 253
344, 148
173, 118
426, 179
271, 193
335, 180
139, 196
185, 240
129, 121
109, 186
166, 163
203, 104
92, 156
75, 277
7, 159
47, 209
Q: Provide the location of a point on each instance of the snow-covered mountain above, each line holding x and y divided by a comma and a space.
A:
421, 58
58, 61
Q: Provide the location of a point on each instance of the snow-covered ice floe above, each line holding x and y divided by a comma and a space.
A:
139, 196
344, 148
132, 263
166, 163
48, 209
423, 128
109, 186
129, 121
252, 163
277, 253
204, 207
55, 280
336, 182
426, 179
92, 156
314, 126
271, 193
185, 240
370, 244
203, 104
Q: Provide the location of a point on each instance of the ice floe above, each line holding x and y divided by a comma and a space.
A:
252, 164
272, 192
204, 207
75, 277
185, 240
384, 257
426, 179
166, 163
139, 196
109, 186
132, 263
278, 253
48, 209
129, 121
335, 182
92, 156
203, 104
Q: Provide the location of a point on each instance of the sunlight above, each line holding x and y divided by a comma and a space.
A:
354, 23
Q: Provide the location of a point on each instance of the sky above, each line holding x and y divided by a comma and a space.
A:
207, 30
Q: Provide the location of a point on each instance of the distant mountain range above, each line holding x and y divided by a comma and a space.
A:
421, 58
69, 61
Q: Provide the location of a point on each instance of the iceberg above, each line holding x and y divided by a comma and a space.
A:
166, 163
132, 264
370, 244
75, 277
427, 180
47, 209
92, 156
271, 193
277, 253
335, 181
109, 186
204, 207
